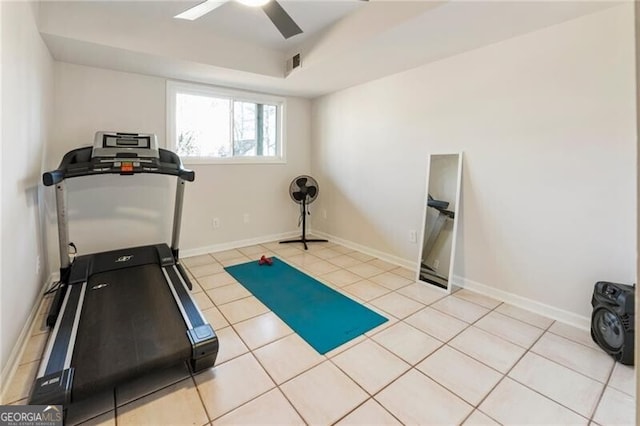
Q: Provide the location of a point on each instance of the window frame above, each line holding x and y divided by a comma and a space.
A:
175, 87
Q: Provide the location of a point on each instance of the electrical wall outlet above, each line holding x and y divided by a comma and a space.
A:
246, 218
324, 213
436, 263
413, 236
216, 223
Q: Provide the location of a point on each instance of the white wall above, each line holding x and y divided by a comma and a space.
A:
126, 211
547, 125
637, 301
27, 93
637, 104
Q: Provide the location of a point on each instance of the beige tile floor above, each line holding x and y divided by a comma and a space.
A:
458, 359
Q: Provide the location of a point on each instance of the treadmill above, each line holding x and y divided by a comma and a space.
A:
427, 273
120, 314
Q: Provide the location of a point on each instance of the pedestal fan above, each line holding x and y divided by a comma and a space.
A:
304, 190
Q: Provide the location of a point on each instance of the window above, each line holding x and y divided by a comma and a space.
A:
209, 125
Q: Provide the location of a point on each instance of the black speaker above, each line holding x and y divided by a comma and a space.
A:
612, 320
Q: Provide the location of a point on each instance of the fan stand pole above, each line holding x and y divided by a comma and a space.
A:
304, 239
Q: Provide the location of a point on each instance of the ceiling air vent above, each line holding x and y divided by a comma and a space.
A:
293, 63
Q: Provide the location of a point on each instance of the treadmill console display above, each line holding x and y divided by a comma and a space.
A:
119, 153
127, 142
125, 153
114, 144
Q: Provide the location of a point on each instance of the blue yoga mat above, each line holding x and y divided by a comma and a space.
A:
320, 315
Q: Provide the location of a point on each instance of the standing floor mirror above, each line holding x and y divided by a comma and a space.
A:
442, 200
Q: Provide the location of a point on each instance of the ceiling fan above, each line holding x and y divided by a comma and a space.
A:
280, 18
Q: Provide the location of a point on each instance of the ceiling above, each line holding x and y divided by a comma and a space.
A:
232, 20
345, 42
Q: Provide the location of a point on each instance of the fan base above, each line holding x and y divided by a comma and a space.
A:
305, 241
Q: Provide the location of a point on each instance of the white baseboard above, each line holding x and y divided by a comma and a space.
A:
9, 370
552, 312
522, 302
237, 244
367, 250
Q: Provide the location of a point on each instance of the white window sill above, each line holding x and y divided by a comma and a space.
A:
232, 160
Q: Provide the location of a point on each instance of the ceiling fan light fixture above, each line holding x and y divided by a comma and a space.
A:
253, 3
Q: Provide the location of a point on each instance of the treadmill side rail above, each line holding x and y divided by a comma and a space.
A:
204, 342
204, 347
55, 375
53, 389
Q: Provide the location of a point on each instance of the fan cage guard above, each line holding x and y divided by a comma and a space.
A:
304, 190
296, 186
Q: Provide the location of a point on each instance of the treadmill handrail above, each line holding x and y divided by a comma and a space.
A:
78, 162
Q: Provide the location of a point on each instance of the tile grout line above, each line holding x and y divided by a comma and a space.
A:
371, 395
549, 398
447, 344
504, 375
567, 367
604, 389
412, 366
291, 404
494, 309
277, 386
547, 329
115, 408
251, 351
529, 349
286, 381
330, 359
371, 398
195, 384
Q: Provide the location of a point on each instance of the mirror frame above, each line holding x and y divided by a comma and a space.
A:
455, 221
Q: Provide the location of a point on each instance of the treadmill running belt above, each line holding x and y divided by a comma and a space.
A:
130, 325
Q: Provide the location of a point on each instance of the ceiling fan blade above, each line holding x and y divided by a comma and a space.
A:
200, 9
281, 19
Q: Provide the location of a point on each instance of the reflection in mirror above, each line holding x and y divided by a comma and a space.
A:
440, 220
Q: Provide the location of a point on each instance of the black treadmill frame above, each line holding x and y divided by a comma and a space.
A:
54, 380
